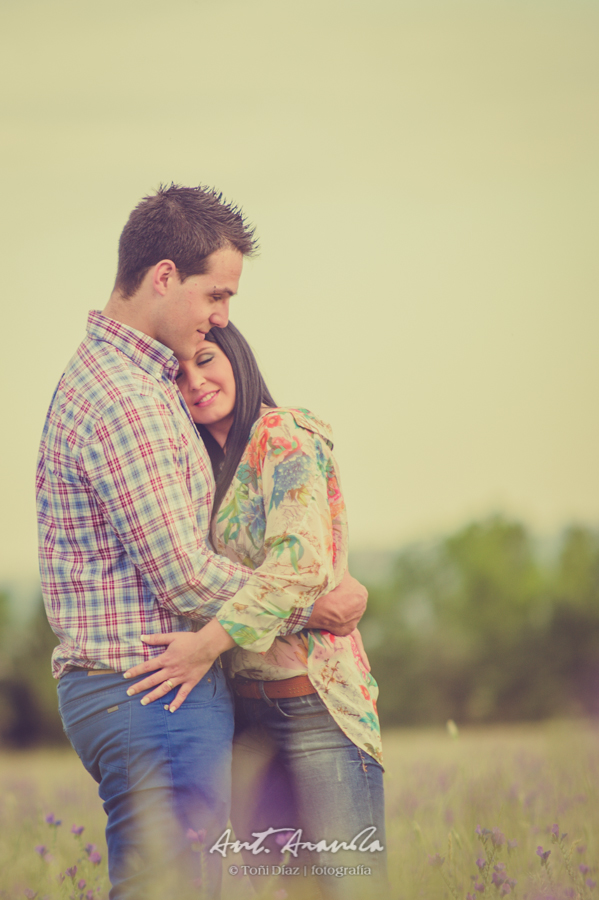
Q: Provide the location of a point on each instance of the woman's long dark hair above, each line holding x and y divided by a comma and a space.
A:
250, 394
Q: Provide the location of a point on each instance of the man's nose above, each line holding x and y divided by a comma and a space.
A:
220, 316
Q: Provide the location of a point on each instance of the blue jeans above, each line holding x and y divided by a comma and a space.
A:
294, 768
160, 774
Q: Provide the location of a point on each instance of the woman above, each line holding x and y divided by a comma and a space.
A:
307, 746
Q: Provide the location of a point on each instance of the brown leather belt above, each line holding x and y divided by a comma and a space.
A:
299, 686
92, 671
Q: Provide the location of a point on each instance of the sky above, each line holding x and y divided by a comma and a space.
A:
423, 176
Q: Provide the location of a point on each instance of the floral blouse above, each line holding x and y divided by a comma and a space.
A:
284, 516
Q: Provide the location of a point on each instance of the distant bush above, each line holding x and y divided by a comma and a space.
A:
28, 703
477, 628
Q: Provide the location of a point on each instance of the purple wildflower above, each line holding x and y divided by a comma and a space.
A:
581, 848
505, 889
197, 836
71, 872
89, 848
89, 895
470, 896
480, 862
95, 857
498, 879
283, 836
41, 849
583, 869
60, 878
436, 860
555, 831
52, 820
81, 883
479, 886
511, 845
497, 837
544, 854
77, 829
590, 883
29, 893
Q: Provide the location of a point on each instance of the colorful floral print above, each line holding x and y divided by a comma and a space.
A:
284, 513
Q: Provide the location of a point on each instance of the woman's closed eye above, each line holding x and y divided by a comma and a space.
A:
202, 360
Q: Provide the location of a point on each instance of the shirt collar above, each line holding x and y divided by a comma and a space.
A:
143, 351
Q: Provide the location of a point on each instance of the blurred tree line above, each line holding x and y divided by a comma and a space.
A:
478, 627
28, 701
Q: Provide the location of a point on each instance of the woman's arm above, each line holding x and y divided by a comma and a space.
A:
300, 496
189, 656
295, 511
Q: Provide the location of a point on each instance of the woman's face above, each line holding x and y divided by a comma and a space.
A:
208, 387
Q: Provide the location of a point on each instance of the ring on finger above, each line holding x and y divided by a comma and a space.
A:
170, 684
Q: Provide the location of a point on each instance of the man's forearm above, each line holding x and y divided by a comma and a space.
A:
340, 610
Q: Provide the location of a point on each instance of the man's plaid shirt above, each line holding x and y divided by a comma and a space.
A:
124, 494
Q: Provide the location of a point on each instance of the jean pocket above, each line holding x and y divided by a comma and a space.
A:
301, 707
101, 741
208, 689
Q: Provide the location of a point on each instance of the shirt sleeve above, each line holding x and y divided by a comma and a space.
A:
298, 539
134, 462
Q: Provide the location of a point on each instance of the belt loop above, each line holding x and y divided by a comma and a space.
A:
263, 693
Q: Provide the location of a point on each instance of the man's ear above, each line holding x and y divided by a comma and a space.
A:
163, 273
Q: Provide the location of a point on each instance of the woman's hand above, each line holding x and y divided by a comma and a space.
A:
186, 660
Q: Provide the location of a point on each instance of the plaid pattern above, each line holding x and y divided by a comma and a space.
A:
124, 493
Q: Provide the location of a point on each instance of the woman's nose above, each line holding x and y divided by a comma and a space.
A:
196, 379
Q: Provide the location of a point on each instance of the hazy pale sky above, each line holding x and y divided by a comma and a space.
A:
423, 176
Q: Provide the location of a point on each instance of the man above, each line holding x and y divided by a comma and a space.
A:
124, 499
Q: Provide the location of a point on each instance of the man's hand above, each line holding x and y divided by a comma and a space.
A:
185, 662
340, 611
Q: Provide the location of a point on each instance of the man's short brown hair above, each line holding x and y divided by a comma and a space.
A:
183, 224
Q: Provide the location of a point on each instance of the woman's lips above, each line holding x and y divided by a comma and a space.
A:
206, 399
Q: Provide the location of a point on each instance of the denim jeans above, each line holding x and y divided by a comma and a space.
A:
160, 774
294, 768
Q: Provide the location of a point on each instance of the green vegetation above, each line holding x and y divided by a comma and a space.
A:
28, 702
481, 628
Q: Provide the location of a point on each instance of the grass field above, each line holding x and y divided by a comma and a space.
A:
531, 793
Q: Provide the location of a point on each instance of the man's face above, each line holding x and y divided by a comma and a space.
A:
199, 303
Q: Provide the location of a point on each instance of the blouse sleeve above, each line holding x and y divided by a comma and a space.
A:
289, 464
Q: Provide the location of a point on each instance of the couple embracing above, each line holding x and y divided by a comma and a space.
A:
180, 507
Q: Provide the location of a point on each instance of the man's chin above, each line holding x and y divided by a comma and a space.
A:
188, 353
